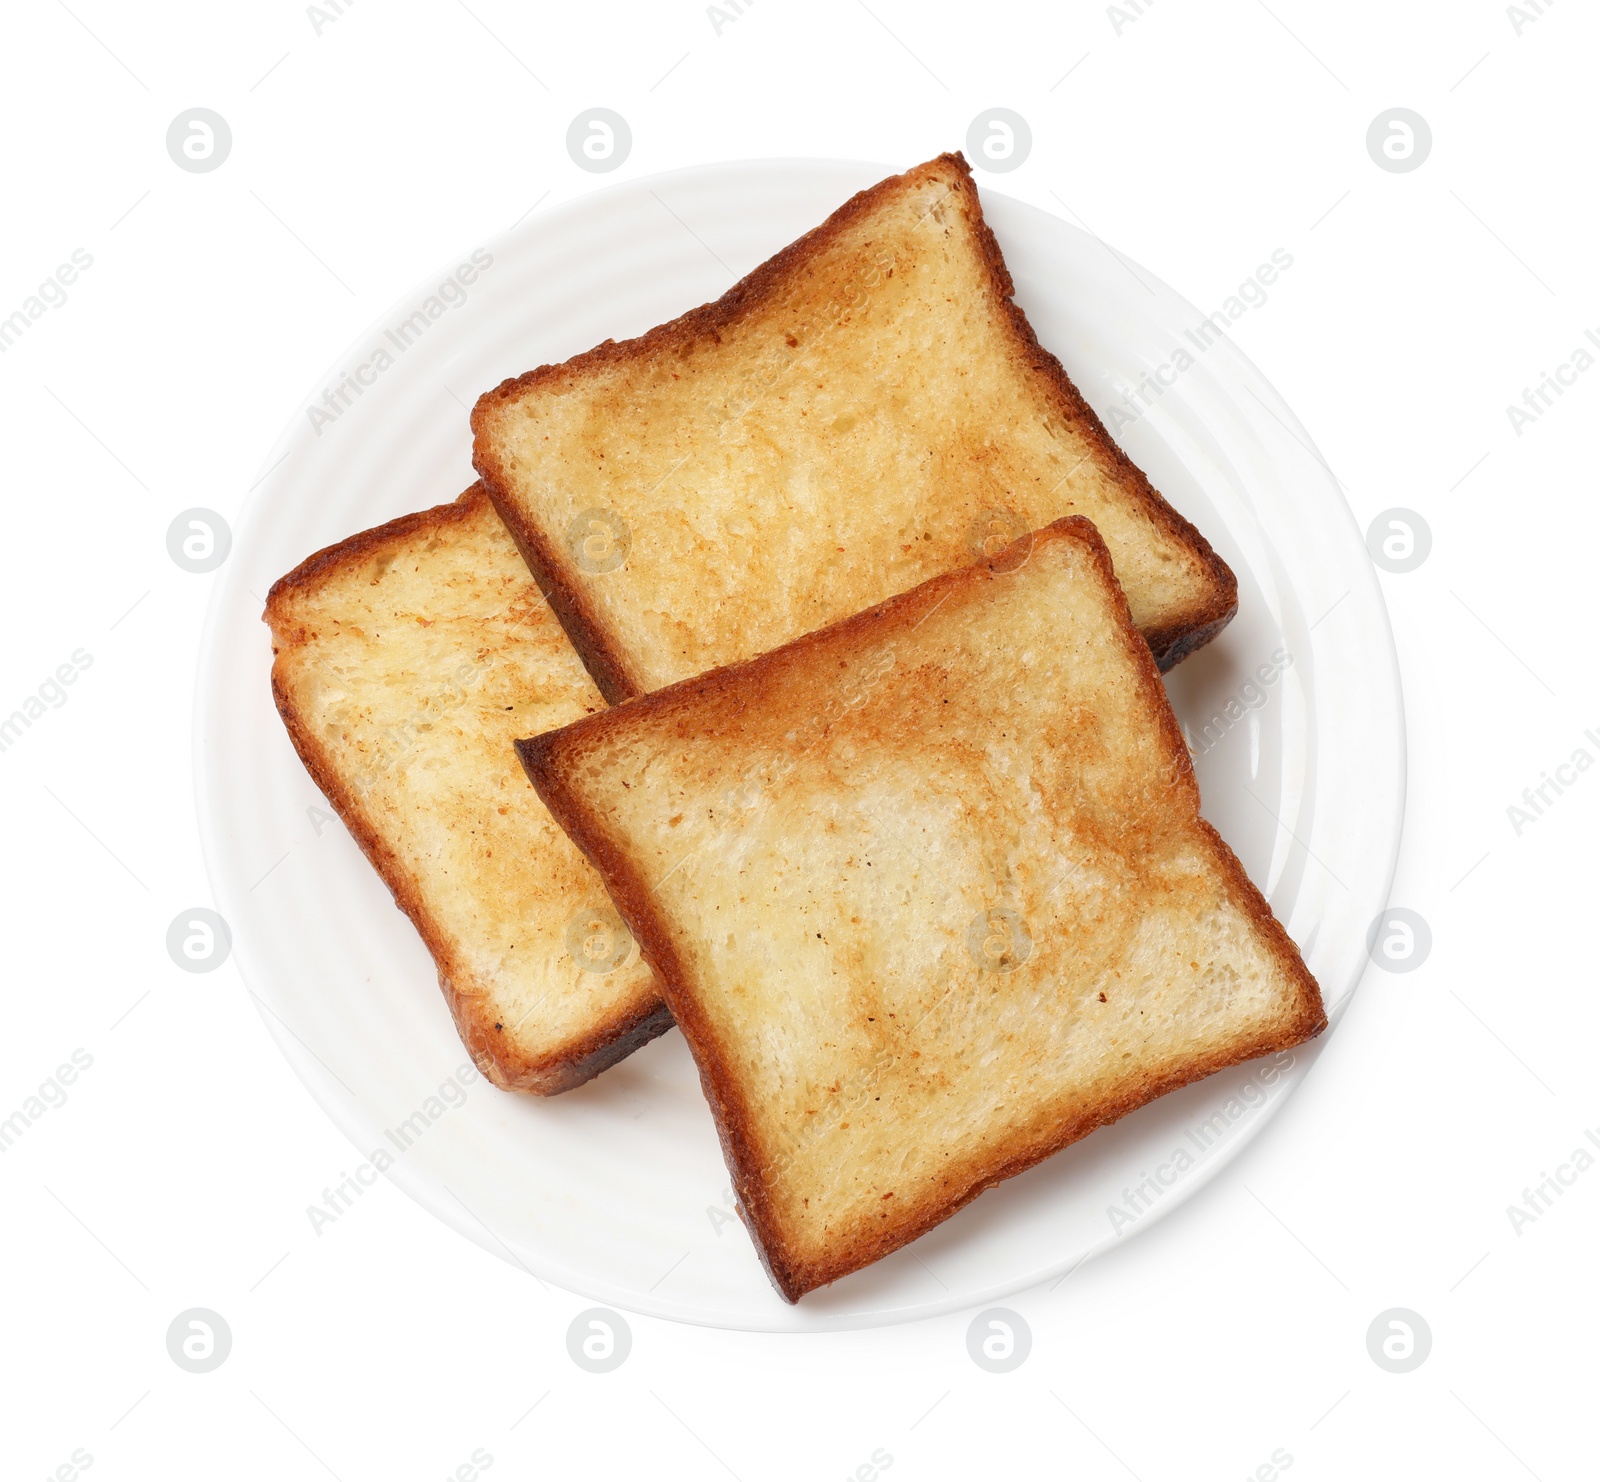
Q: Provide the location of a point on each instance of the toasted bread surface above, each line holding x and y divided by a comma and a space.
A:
864, 411
406, 661
930, 896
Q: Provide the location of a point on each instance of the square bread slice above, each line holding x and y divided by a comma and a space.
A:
864, 411
930, 896
406, 661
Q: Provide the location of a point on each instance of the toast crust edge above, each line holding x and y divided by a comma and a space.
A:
597, 647
574, 1063
1197, 628
791, 1274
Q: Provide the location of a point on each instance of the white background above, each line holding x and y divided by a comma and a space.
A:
1200, 138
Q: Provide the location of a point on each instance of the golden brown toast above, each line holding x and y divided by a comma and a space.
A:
406, 661
929, 894
864, 411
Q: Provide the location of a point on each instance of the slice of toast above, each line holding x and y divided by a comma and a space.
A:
866, 410
930, 896
406, 661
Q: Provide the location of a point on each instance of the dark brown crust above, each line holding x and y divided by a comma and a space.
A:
543, 757
574, 1063
1203, 623
631, 896
604, 658
569, 604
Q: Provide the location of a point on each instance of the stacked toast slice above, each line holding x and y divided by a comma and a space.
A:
929, 894
866, 410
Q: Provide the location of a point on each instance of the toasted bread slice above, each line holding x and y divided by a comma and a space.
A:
407, 659
930, 896
866, 410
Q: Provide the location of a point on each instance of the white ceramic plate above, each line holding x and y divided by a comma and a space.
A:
617, 1190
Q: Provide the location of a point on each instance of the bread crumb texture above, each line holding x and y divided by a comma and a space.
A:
931, 896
